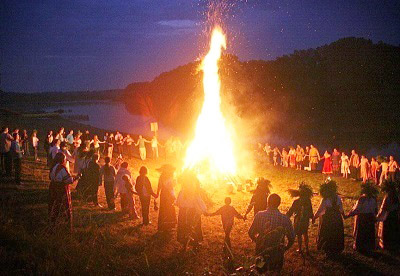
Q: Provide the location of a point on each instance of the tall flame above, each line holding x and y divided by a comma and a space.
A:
212, 141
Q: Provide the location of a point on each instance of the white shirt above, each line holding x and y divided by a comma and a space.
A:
62, 176
119, 182
35, 141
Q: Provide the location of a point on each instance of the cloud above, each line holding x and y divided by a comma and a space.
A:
179, 23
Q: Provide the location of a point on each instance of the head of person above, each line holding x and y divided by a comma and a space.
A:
95, 137
343, 154
373, 159
362, 156
16, 136
95, 157
391, 158
143, 170
140, 137
353, 151
124, 165
24, 131
312, 146
107, 160
59, 158
50, 132
335, 150
126, 178
16, 130
228, 200
87, 132
106, 134
4, 129
63, 145
307, 148
71, 132
274, 200
326, 152
117, 132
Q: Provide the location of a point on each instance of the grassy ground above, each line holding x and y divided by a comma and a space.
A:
105, 242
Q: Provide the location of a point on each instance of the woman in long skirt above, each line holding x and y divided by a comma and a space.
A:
345, 165
165, 190
302, 210
364, 222
364, 168
191, 207
388, 217
330, 214
327, 169
374, 170
60, 206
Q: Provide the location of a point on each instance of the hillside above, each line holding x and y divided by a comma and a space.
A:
344, 94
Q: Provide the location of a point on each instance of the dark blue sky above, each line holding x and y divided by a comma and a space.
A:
102, 44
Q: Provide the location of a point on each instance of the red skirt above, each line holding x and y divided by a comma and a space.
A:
327, 169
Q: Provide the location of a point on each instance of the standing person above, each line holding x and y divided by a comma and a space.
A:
35, 145
327, 168
385, 169
165, 190
16, 152
119, 141
388, 217
123, 176
364, 222
145, 191
277, 154
299, 157
228, 214
330, 213
95, 143
306, 162
303, 213
154, 147
142, 147
77, 140
285, 158
69, 158
374, 170
60, 203
48, 142
25, 142
393, 166
335, 162
259, 199
314, 158
93, 179
268, 230
364, 168
345, 165
54, 149
110, 146
191, 207
128, 142
292, 157
354, 165
5, 146
105, 143
108, 172
60, 135
70, 140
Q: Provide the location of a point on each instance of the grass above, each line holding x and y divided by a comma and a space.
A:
105, 242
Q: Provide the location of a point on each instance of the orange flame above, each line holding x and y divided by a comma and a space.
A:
212, 142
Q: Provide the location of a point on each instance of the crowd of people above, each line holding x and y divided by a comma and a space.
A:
271, 230
378, 169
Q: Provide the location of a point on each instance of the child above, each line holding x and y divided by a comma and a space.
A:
128, 197
302, 210
145, 191
35, 145
228, 213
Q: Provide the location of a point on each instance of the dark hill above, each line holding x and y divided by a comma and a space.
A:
344, 93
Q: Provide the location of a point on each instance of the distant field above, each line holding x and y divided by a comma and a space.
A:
103, 242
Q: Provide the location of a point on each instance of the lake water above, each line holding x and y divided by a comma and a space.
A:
111, 116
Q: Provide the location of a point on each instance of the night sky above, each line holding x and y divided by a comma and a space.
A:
103, 44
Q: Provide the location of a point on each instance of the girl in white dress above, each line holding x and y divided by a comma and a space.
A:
345, 165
